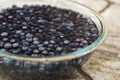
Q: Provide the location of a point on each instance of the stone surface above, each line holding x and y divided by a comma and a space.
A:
97, 5
104, 64
115, 1
111, 16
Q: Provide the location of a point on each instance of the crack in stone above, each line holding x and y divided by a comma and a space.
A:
113, 2
109, 3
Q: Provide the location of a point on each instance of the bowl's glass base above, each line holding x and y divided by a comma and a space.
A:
79, 71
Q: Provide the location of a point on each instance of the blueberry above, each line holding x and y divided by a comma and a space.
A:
29, 35
52, 41
22, 34
33, 46
18, 11
94, 36
53, 30
7, 45
4, 34
36, 42
17, 63
27, 64
12, 40
5, 39
56, 19
66, 42
34, 64
50, 45
1, 17
24, 23
25, 43
41, 48
1, 44
35, 39
15, 45
10, 17
51, 53
36, 51
58, 49
24, 27
24, 47
27, 18
90, 21
5, 24
68, 24
41, 68
16, 51
7, 61
41, 21
84, 42
94, 30
45, 43
25, 6
29, 39
78, 40
45, 52
40, 30
48, 49
14, 6
87, 34
40, 45
18, 31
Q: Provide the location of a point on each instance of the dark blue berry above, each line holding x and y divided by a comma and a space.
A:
7, 45
53, 30
25, 43
18, 31
1, 44
58, 49
29, 35
29, 39
45, 52
45, 43
66, 42
5, 39
84, 42
36, 51
41, 48
36, 42
15, 45
52, 41
87, 34
4, 34
35, 39
1, 17
24, 27
41, 21
12, 40
94, 30
27, 18
18, 11
24, 47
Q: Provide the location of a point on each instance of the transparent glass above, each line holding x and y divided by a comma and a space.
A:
50, 68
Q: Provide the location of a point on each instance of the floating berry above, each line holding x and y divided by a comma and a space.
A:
40, 31
78, 40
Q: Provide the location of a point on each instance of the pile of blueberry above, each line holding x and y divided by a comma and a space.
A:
44, 30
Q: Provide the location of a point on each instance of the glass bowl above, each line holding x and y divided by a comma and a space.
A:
15, 67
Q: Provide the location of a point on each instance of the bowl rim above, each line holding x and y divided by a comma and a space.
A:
69, 56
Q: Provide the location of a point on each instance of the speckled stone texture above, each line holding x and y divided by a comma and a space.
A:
104, 64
